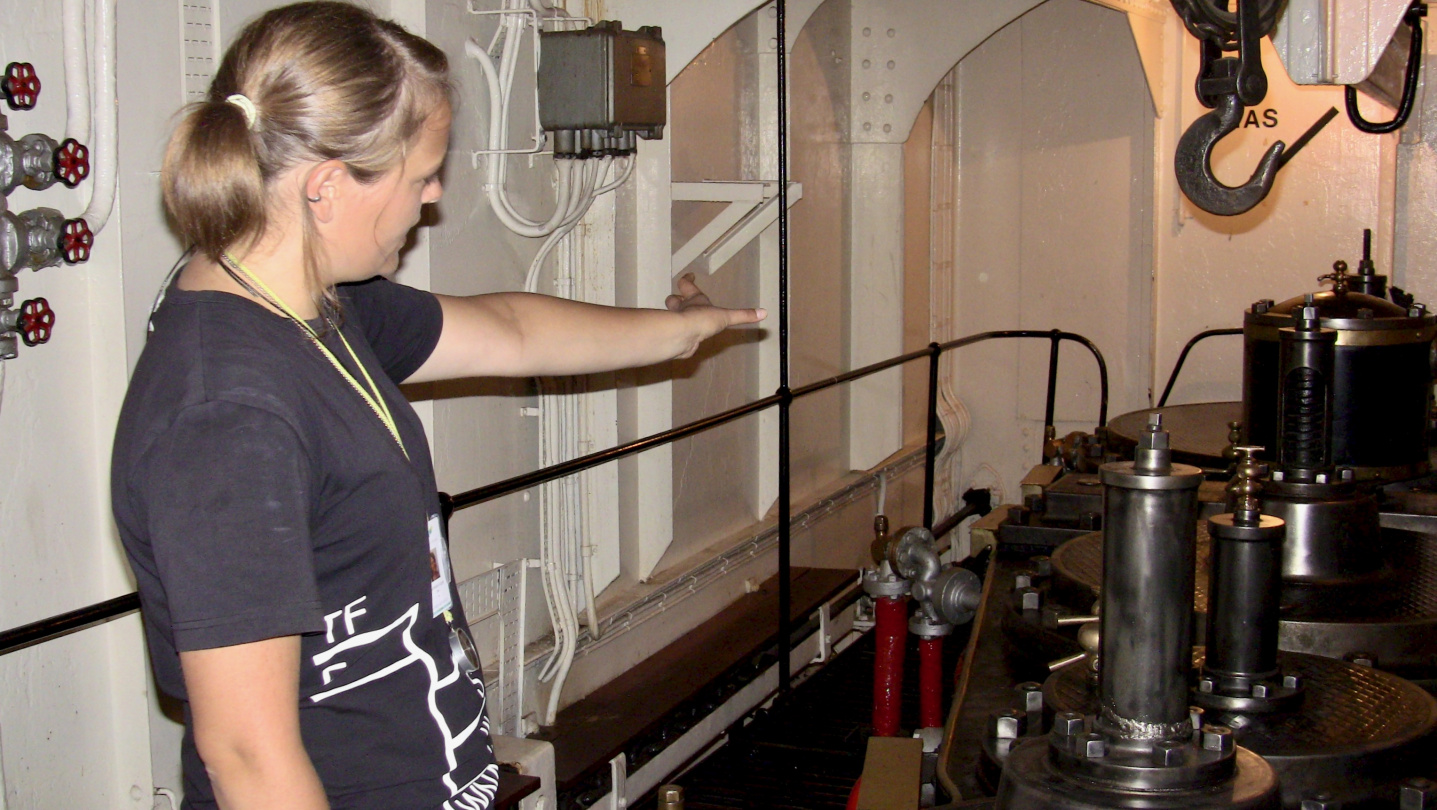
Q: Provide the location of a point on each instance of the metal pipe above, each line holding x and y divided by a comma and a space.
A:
1149, 552
890, 633
785, 397
1183, 356
930, 682
930, 450
66, 623
1244, 599
1051, 400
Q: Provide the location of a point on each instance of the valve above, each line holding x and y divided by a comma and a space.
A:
76, 239
36, 321
21, 86
33, 322
72, 162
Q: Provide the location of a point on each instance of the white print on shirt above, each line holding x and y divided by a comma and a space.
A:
439, 571
479, 794
401, 630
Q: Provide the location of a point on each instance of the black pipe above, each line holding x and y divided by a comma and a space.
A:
67, 623
1051, 401
975, 502
1182, 358
785, 397
930, 448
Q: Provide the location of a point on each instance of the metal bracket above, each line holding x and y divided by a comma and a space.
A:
619, 776
752, 209
825, 641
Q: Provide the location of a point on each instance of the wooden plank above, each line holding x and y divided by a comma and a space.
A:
592, 731
891, 772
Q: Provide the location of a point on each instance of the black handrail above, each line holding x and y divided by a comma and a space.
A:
1182, 358
66, 623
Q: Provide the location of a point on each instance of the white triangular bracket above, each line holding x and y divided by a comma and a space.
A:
752, 209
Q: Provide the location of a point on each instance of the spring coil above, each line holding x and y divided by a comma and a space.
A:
1304, 419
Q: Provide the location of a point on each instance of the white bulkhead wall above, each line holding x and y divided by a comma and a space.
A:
1131, 265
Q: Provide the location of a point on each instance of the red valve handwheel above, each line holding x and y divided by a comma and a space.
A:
72, 162
21, 86
76, 239
36, 321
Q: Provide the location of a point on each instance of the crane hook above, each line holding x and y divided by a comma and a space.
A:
1193, 162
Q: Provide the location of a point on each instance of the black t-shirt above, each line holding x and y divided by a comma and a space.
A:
258, 495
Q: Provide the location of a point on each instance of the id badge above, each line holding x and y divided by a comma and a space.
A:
440, 574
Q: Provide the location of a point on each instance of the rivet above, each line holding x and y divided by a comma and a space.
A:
891, 64
867, 95
887, 127
867, 126
888, 98
867, 64
867, 31
891, 32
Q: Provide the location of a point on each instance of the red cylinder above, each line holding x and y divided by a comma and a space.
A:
891, 631
853, 794
930, 682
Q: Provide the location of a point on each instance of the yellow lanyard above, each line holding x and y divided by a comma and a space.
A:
375, 401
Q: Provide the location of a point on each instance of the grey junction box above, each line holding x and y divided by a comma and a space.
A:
602, 87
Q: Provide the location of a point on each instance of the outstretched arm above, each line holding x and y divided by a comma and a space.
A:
527, 335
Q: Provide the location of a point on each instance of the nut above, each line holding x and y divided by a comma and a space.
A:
1417, 794
1322, 478
1319, 801
1205, 685
1008, 724
1043, 565
1068, 724
1093, 746
1361, 659
1217, 738
1169, 753
1291, 681
1022, 581
1030, 697
1032, 598
1261, 690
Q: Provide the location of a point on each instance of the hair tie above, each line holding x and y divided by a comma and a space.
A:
246, 106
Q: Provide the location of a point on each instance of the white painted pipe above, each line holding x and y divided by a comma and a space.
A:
104, 158
77, 70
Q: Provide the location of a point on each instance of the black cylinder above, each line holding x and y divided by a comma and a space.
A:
1150, 529
1244, 596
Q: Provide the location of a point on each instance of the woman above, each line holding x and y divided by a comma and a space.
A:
273, 488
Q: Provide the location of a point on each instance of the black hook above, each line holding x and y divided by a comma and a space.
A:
1193, 162
1413, 74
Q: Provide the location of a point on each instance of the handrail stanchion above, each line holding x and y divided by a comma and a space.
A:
930, 452
1050, 429
785, 395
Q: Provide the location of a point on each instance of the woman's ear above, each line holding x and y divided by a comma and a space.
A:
324, 187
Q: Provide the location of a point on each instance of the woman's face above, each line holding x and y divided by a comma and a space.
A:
368, 237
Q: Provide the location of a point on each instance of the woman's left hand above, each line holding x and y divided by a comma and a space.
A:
709, 319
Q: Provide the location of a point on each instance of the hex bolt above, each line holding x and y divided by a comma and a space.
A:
1347, 473
1319, 801
1068, 724
1043, 565
1030, 697
1007, 724
1205, 685
1217, 738
1417, 794
1291, 681
1361, 659
1032, 599
1022, 581
1261, 690
1093, 746
1169, 753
